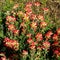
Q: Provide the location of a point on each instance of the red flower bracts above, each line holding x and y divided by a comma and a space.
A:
30, 40
58, 31
11, 27
25, 52
37, 4
39, 37
55, 37
40, 17
43, 24
46, 44
48, 34
10, 19
13, 44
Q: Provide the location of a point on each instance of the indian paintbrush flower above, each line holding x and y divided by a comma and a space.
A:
55, 37
46, 44
10, 19
11, 27
43, 24
37, 4
40, 17
48, 34
9, 43
39, 37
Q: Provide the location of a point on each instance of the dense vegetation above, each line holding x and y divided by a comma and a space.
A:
29, 30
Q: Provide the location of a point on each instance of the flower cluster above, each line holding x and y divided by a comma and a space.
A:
13, 44
29, 33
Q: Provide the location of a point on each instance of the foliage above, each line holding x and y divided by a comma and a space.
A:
27, 31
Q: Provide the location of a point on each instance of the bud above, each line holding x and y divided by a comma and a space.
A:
43, 24
26, 17
39, 37
10, 19
40, 17
48, 34
11, 27
28, 9
45, 9
22, 24
37, 4
33, 17
46, 44
28, 4
29, 35
29, 41
20, 13
33, 43
25, 52
32, 47
34, 25
55, 37
16, 32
